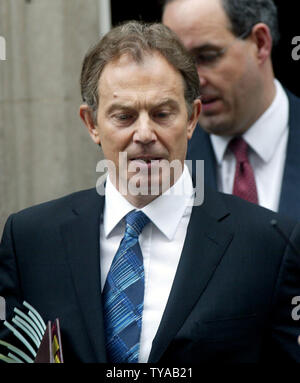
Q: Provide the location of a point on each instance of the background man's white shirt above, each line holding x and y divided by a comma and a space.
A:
267, 139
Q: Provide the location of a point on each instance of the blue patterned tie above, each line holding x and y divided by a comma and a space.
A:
123, 294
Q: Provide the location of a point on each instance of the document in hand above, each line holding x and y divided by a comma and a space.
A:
39, 343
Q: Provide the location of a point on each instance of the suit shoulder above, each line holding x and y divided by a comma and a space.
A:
253, 215
292, 97
56, 207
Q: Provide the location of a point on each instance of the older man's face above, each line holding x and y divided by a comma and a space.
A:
142, 112
228, 69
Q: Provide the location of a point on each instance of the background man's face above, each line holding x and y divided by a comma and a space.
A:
231, 83
142, 112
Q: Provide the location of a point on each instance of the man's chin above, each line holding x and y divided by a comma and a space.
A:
137, 185
217, 125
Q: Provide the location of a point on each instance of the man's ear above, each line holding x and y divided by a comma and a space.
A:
193, 120
262, 38
86, 115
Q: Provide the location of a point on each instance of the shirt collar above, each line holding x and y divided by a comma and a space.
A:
165, 211
269, 128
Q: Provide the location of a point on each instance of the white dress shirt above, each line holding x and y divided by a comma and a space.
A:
161, 243
267, 139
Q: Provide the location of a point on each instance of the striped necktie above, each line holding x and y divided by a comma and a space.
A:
123, 294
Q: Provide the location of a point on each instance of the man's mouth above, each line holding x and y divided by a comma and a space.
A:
145, 161
209, 102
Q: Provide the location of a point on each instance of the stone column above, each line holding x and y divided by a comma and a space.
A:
45, 151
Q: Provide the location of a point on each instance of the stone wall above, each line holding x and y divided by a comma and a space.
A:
45, 151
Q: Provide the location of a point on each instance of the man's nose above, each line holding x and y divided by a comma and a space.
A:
145, 130
202, 76
203, 81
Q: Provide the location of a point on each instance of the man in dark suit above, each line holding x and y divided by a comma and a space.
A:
232, 41
135, 275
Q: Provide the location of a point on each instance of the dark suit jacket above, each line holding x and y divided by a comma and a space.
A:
200, 148
230, 300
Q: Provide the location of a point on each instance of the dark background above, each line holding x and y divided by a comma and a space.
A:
286, 69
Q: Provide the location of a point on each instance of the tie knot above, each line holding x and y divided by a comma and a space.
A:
135, 222
239, 148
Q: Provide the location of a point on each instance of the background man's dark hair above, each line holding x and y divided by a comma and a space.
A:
138, 39
244, 14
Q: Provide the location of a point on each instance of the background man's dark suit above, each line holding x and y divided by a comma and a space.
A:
230, 301
200, 147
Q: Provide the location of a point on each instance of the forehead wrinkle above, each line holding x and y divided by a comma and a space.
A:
150, 94
139, 104
135, 85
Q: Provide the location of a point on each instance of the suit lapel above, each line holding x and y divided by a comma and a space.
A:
80, 233
203, 250
289, 199
200, 148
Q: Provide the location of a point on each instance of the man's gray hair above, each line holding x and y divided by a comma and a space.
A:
138, 39
244, 14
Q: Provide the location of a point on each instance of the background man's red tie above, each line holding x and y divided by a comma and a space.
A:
244, 182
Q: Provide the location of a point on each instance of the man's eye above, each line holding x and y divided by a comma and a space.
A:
123, 116
123, 119
207, 57
162, 114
